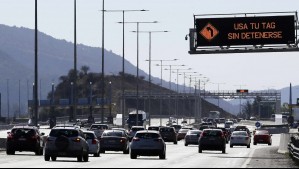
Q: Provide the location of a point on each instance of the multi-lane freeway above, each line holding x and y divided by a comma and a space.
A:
178, 156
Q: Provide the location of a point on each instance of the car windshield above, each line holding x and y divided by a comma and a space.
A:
64, 132
113, 134
239, 133
147, 135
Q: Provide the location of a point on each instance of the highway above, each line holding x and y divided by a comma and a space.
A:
178, 156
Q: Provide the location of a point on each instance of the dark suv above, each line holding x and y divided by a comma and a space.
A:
212, 139
25, 138
168, 134
66, 142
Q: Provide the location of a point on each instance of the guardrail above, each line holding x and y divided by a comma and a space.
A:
293, 147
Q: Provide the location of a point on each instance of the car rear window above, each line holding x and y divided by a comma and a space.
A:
137, 129
212, 132
262, 132
64, 132
89, 135
239, 133
166, 129
23, 132
99, 127
113, 134
147, 135
194, 132
183, 130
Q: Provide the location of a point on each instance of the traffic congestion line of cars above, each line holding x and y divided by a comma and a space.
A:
71, 141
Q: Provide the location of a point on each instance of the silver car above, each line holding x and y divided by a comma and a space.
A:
192, 137
93, 143
148, 143
240, 138
66, 142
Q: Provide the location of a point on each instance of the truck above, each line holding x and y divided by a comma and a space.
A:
131, 121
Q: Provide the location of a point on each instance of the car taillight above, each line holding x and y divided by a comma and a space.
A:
10, 136
246, 138
94, 141
77, 140
122, 141
136, 139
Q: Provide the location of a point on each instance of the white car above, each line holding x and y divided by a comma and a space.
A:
93, 142
148, 143
240, 138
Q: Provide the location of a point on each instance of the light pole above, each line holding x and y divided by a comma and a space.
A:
103, 61
35, 114
123, 60
218, 93
110, 103
150, 62
8, 100
184, 74
137, 90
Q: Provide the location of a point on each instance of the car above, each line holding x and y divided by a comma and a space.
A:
148, 143
263, 137
212, 139
134, 130
226, 133
98, 129
240, 138
168, 134
25, 138
66, 142
155, 128
177, 127
243, 128
122, 129
181, 134
114, 140
252, 118
192, 137
221, 120
228, 124
93, 143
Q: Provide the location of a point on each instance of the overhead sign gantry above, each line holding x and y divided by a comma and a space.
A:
244, 33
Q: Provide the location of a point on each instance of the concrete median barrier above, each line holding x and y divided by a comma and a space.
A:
284, 141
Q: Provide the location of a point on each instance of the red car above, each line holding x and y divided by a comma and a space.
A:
263, 137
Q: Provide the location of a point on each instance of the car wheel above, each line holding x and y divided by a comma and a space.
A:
186, 144
176, 142
47, 158
79, 158
231, 146
10, 152
54, 158
270, 144
223, 151
102, 151
162, 156
248, 146
254, 143
127, 151
199, 150
96, 154
133, 156
85, 158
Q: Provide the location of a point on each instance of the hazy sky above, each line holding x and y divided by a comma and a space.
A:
256, 71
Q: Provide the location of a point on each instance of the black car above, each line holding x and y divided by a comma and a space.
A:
212, 139
115, 140
168, 134
25, 138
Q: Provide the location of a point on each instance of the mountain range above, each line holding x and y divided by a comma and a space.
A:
56, 58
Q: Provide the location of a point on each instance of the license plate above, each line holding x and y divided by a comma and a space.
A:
62, 154
111, 141
22, 139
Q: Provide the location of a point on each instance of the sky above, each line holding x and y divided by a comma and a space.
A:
257, 71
